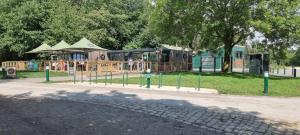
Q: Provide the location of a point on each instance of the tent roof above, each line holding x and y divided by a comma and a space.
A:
84, 45
61, 45
42, 48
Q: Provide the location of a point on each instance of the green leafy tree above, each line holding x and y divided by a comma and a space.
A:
210, 23
279, 22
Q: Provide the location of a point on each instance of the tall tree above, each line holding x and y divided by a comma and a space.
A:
213, 22
279, 22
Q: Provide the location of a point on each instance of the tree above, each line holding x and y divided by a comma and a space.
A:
279, 22
213, 23
177, 21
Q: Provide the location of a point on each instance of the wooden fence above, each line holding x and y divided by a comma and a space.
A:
101, 66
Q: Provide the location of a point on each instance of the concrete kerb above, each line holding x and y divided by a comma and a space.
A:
153, 88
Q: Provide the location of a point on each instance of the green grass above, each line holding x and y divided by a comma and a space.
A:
234, 83
31, 74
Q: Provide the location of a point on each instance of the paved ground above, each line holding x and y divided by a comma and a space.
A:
64, 117
28, 101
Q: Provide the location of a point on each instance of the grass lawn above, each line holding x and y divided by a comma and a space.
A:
31, 74
233, 83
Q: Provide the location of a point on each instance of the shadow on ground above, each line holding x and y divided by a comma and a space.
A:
165, 116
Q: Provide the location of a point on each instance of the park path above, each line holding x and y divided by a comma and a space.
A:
222, 113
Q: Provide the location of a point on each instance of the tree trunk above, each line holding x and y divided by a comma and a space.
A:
227, 55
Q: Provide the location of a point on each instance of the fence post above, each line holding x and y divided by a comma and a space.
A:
243, 64
105, 77
74, 76
111, 77
215, 64
198, 84
231, 64
222, 60
81, 73
140, 79
178, 81
123, 79
91, 78
200, 66
126, 78
160, 80
97, 76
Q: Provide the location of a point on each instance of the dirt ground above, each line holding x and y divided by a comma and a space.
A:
63, 117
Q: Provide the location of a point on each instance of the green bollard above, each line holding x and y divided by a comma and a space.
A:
179, 81
266, 83
148, 78
47, 74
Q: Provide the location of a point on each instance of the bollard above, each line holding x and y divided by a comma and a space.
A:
198, 84
148, 78
179, 81
266, 83
47, 74
295, 72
